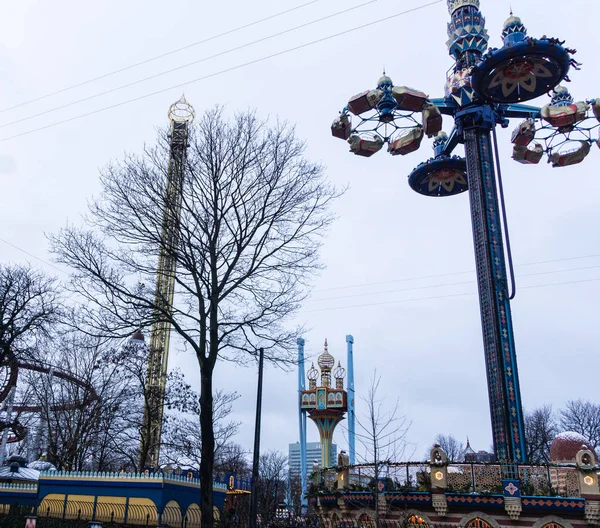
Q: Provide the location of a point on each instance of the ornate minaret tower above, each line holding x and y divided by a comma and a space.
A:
326, 404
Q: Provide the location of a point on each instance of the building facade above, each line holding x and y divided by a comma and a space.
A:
313, 453
442, 494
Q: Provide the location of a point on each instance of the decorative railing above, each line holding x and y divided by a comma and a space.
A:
128, 476
16, 486
565, 480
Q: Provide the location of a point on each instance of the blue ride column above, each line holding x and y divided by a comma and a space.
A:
302, 422
475, 121
351, 403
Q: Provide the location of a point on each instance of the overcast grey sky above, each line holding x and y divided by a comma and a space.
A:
422, 335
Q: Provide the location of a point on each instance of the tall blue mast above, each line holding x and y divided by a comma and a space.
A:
302, 422
351, 403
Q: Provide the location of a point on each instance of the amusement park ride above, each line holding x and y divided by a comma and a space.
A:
10, 368
181, 114
486, 88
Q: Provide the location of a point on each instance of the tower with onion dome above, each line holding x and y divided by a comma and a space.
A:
325, 400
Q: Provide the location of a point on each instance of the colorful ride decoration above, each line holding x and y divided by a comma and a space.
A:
378, 111
326, 404
485, 88
442, 175
564, 130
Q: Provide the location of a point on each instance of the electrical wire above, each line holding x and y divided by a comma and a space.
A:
423, 277
221, 72
32, 255
466, 294
444, 285
157, 57
183, 66
565, 259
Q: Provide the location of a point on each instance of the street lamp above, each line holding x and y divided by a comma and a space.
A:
486, 88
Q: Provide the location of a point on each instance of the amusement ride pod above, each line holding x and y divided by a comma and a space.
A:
523, 69
442, 175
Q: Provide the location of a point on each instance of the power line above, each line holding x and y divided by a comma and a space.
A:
442, 296
183, 66
157, 57
423, 277
445, 285
227, 70
32, 255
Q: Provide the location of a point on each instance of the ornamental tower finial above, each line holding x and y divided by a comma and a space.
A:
466, 30
454, 5
339, 375
326, 363
513, 31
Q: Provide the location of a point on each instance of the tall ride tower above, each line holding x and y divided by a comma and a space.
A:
486, 88
181, 115
326, 405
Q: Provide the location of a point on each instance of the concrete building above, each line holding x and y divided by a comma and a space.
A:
313, 452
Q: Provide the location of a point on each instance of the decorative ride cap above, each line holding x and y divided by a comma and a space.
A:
561, 97
454, 5
467, 33
313, 373
384, 81
513, 30
340, 372
439, 143
182, 111
326, 360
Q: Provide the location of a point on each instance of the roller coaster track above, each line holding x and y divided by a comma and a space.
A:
9, 376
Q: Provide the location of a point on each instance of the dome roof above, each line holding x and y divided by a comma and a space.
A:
566, 445
326, 360
384, 79
138, 336
512, 20
42, 465
468, 449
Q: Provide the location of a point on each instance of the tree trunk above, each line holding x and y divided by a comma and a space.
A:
208, 445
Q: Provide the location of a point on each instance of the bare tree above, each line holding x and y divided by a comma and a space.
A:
272, 485
28, 307
252, 213
92, 413
541, 427
582, 417
231, 458
130, 363
453, 448
78, 414
183, 437
382, 433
